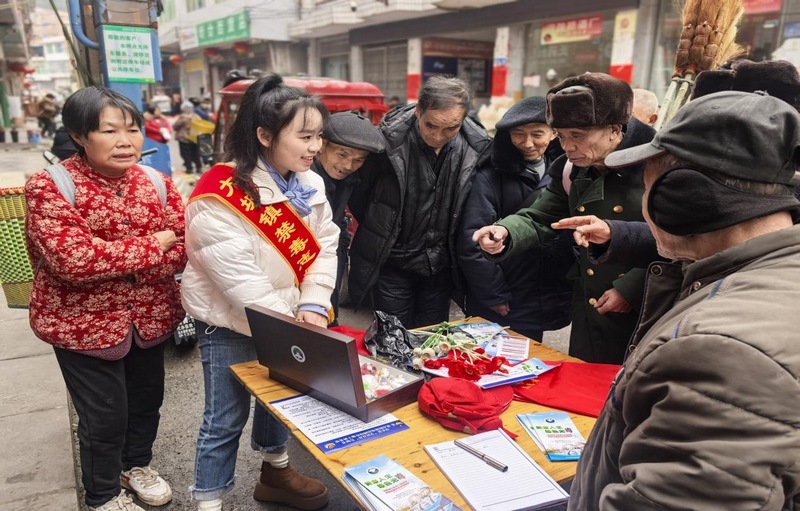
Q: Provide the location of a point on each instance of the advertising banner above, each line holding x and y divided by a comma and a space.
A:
572, 30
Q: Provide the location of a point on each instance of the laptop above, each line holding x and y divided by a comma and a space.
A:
322, 363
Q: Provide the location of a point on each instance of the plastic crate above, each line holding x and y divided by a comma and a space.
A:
16, 273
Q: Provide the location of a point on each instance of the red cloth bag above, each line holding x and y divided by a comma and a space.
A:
355, 333
574, 386
461, 405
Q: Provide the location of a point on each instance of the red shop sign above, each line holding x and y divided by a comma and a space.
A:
572, 30
759, 6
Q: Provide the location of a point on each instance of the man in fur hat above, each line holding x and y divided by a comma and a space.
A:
528, 292
704, 413
609, 240
592, 114
347, 141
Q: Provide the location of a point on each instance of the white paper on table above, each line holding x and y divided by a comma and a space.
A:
332, 429
525, 485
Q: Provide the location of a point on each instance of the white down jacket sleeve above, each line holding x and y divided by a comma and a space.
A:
231, 266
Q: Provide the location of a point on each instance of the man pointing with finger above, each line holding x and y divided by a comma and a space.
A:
592, 114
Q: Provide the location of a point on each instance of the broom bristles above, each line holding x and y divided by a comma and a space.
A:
708, 35
707, 40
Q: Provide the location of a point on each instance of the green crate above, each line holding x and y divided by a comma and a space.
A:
16, 273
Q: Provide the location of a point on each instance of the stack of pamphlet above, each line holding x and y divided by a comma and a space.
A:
497, 342
555, 434
384, 485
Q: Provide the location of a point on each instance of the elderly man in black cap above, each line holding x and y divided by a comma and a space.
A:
704, 414
409, 205
592, 114
346, 143
528, 292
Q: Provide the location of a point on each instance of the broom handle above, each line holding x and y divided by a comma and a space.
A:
665, 105
676, 97
683, 95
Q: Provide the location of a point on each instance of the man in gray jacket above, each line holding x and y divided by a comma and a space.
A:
705, 413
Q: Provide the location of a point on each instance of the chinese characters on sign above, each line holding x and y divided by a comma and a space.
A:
129, 54
572, 30
229, 28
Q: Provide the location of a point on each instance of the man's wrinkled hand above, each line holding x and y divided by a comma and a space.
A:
588, 229
503, 309
612, 301
491, 238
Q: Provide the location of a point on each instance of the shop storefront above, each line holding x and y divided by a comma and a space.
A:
469, 60
334, 55
556, 48
759, 34
386, 66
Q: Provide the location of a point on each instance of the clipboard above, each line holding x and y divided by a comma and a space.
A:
524, 486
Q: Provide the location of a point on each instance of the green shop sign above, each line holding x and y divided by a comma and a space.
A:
229, 28
129, 54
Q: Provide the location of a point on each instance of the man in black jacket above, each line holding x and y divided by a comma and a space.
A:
528, 292
347, 141
409, 205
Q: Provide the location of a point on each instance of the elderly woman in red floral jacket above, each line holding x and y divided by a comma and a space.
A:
105, 294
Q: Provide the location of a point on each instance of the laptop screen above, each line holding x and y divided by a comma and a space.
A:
307, 357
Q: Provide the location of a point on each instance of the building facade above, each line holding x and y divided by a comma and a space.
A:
202, 41
514, 48
15, 34
517, 48
50, 55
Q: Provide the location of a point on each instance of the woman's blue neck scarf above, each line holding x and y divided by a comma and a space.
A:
297, 193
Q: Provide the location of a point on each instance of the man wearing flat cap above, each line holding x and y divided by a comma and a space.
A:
528, 292
346, 143
592, 114
409, 205
704, 414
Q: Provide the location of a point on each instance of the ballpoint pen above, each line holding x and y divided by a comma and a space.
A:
485, 457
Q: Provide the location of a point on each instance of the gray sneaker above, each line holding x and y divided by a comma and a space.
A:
146, 484
121, 502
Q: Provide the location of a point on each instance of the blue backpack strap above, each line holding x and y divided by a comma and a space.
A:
63, 180
158, 182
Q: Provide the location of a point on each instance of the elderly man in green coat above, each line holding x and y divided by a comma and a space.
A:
592, 114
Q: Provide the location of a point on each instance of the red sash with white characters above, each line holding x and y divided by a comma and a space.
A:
279, 224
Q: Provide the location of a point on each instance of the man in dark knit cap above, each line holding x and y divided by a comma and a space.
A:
346, 143
409, 205
528, 292
704, 413
592, 114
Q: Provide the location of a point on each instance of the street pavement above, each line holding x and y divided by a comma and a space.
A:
37, 466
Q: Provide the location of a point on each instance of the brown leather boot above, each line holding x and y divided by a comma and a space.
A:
286, 486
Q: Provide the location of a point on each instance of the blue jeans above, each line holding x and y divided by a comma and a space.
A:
227, 408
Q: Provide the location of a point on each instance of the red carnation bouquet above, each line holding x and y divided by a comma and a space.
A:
447, 346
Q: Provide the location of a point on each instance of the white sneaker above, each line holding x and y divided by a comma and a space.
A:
120, 502
145, 482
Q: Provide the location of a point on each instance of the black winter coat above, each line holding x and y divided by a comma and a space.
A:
377, 203
533, 283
